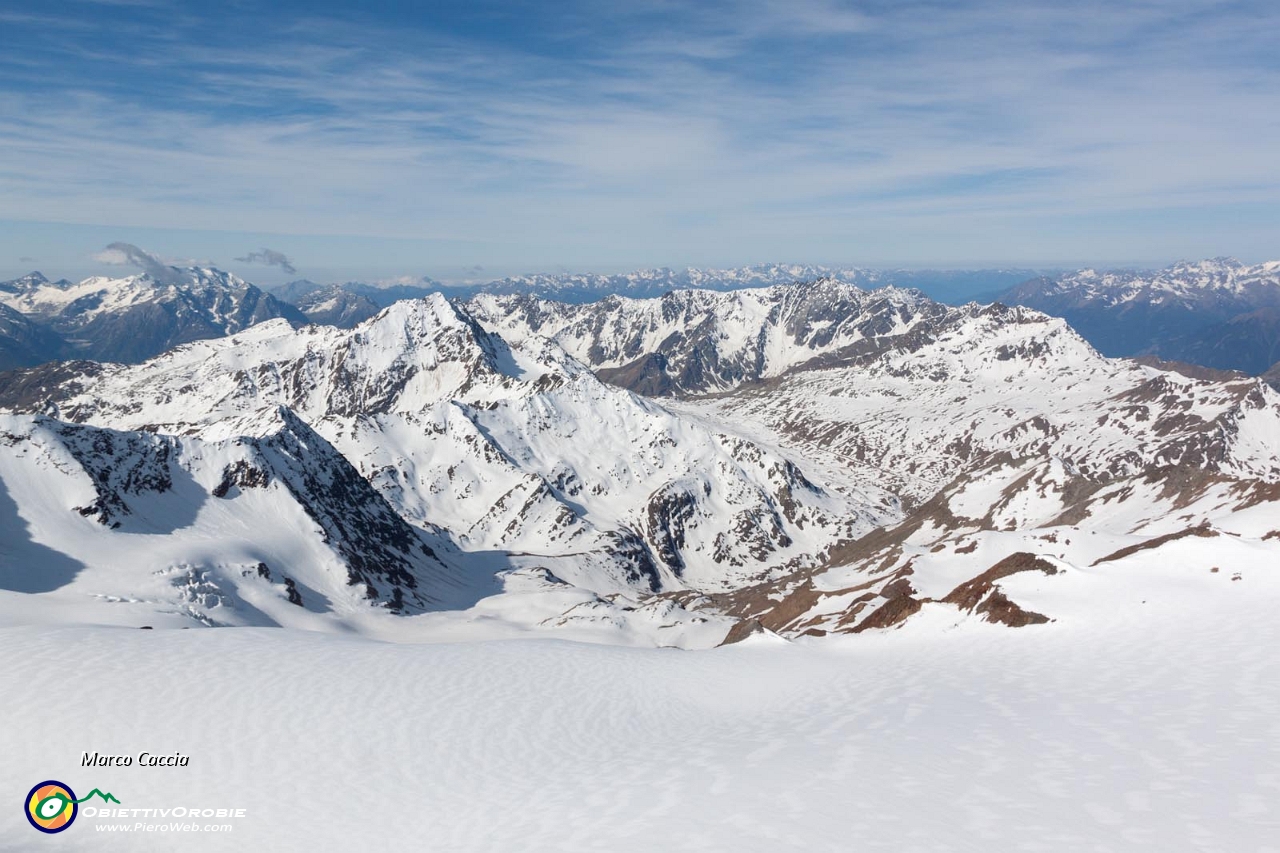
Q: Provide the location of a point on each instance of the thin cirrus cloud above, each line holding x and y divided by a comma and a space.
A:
808, 129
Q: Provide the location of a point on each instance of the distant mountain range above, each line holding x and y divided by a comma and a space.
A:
355, 301
1218, 313
126, 319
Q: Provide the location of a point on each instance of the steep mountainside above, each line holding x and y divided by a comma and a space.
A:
517, 453
1219, 313
131, 319
225, 531
24, 343
1000, 429
334, 306
695, 341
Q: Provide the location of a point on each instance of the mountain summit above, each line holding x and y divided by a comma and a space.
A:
133, 318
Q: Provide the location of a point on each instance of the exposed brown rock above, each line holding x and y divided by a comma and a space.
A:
1203, 530
741, 630
795, 605
854, 610
998, 608
892, 612
968, 595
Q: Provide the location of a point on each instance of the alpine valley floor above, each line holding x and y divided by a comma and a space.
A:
1144, 724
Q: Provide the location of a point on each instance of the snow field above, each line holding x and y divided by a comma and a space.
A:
1145, 734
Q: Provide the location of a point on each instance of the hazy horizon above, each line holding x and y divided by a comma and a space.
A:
92, 260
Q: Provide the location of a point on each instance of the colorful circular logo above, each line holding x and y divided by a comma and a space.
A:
51, 806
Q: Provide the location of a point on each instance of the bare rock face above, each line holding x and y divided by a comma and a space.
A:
900, 604
741, 630
982, 595
1202, 530
970, 594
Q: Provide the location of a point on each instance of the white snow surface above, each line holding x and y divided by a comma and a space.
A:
1146, 721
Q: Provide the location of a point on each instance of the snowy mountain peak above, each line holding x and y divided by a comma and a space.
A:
135, 317
420, 318
1212, 278
700, 341
1210, 265
1218, 312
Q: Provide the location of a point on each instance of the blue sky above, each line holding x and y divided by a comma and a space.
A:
484, 138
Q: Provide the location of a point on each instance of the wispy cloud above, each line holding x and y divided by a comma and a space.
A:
659, 128
270, 257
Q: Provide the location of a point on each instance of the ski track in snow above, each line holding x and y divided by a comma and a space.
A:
1149, 734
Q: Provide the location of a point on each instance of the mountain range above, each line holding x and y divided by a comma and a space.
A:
353, 301
691, 469
126, 319
1217, 313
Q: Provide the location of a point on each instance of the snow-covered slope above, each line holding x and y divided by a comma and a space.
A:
334, 306
695, 341
231, 531
133, 318
983, 419
516, 452
1010, 439
1125, 727
1219, 312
